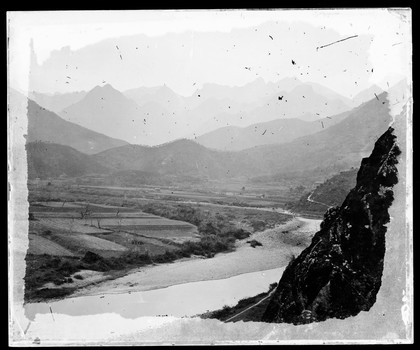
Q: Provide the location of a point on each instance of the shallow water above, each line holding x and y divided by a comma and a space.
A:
186, 299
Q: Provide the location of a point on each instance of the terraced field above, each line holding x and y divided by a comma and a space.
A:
65, 207
82, 243
177, 235
138, 244
71, 225
108, 231
39, 245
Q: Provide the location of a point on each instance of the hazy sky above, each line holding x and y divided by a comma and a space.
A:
180, 48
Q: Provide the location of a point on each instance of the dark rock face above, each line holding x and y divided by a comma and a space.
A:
339, 274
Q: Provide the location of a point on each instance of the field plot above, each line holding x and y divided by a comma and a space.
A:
71, 225
139, 215
107, 231
39, 245
138, 244
77, 207
177, 236
157, 227
107, 208
81, 243
77, 215
156, 222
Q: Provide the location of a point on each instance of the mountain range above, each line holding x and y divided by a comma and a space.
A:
46, 126
330, 150
278, 131
335, 148
155, 115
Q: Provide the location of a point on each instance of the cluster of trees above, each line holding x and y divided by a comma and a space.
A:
217, 233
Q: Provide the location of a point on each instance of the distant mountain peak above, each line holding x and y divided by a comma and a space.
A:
101, 91
165, 90
106, 87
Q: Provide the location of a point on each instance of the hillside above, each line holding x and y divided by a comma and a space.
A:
231, 138
330, 193
340, 273
155, 115
107, 111
334, 190
56, 102
47, 126
323, 153
329, 151
178, 158
367, 94
52, 160
326, 152
305, 101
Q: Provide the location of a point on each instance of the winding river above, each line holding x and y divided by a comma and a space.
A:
190, 287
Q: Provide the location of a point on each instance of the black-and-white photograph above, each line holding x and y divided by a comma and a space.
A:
210, 177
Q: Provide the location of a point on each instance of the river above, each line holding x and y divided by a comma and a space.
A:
189, 287
187, 299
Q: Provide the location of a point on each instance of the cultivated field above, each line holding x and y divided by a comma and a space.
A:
39, 245
113, 230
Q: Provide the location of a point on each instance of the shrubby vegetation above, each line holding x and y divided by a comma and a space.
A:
217, 233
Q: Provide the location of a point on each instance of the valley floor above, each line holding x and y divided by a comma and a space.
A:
279, 245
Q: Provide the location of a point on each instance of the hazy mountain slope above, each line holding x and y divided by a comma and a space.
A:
44, 125
323, 90
231, 138
141, 94
367, 94
304, 102
57, 102
179, 158
52, 160
340, 273
235, 139
213, 106
162, 95
106, 110
331, 150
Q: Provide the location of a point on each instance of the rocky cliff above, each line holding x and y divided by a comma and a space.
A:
340, 273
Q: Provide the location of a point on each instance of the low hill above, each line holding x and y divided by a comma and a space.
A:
52, 160
47, 126
178, 158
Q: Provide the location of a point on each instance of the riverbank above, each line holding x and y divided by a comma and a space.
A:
279, 245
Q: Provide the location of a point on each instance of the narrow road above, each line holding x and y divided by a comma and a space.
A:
252, 306
311, 200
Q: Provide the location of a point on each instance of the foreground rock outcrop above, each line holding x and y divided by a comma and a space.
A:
340, 273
